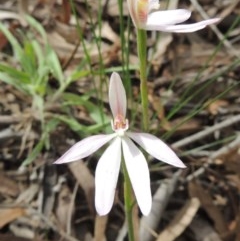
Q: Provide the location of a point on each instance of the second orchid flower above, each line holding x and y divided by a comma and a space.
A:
145, 15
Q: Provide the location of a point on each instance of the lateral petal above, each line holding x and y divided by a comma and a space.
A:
106, 177
84, 148
139, 174
168, 17
183, 28
117, 96
157, 148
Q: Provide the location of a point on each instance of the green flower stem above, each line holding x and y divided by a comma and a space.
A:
142, 55
128, 202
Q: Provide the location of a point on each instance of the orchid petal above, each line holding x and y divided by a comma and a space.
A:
117, 96
84, 148
156, 148
139, 174
183, 28
106, 177
168, 17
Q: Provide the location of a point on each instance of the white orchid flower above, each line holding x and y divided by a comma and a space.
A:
122, 141
145, 15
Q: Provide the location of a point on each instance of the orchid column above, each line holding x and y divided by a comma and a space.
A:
146, 16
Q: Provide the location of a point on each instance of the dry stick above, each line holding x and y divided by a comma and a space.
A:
53, 226
71, 208
149, 224
23, 6
71, 57
208, 131
47, 221
181, 220
196, 137
221, 37
224, 150
8, 133
10, 119
122, 232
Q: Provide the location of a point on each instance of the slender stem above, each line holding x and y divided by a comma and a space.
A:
142, 55
128, 202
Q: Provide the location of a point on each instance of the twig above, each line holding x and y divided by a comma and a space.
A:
46, 220
71, 208
23, 7
8, 133
221, 37
224, 150
208, 131
181, 221
122, 232
53, 226
71, 57
149, 223
10, 119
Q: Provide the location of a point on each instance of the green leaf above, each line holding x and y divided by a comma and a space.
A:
71, 122
78, 74
48, 128
39, 54
12, 81
20, 76
28, 60
44, 142
33, 155
17, 49
36, 25
54, 64
93, 109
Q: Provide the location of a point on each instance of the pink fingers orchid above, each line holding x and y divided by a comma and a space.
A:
123, 143
145, 15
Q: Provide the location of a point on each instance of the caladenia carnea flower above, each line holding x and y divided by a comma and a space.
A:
146, 15
122, 144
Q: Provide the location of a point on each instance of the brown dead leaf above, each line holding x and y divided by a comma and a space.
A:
160, 111
234, 179
100, 227
3, 41
63, 207
232, 161
113, 9
214, 107
8, 186
149, 224
108, 33
196, 190
238, 227
202, 231
160, 50
181, 221
135, 218
10, 214
10, 237
66, 8
184, 127
85, 179
68, 34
